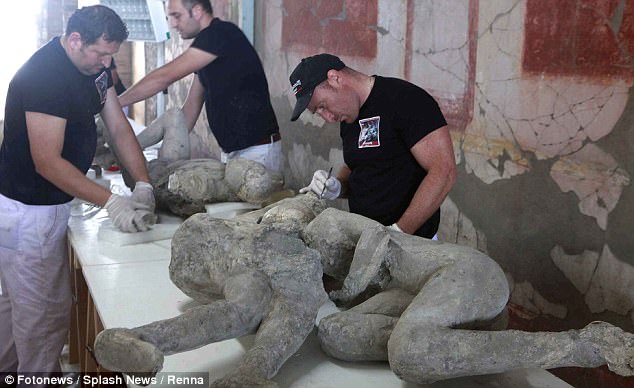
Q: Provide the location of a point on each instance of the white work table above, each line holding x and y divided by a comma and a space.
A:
129, 286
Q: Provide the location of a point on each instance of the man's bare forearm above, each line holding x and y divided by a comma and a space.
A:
147, 87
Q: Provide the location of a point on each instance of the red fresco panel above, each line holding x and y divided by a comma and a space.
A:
589, 38
343, 27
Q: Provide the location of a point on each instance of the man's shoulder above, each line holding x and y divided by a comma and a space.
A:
402, 90
219, 26
218, 33
45, 65
224, 24
223, 38
397, 84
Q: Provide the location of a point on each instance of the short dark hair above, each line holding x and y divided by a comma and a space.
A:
97, 21
206, 4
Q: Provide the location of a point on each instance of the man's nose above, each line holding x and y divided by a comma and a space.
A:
327, 115
106, 61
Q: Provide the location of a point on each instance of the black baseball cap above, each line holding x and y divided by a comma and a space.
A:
310, 72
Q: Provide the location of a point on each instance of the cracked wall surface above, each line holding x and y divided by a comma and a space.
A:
545, 101
606, 282
537, 96
443, 45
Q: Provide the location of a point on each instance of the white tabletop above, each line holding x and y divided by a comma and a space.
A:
134, 294
83, 234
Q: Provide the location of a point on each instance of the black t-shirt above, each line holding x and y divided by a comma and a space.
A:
385, 175
49, 83
237, 97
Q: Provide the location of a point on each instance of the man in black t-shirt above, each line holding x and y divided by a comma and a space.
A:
399, 160
49, 143
229, 79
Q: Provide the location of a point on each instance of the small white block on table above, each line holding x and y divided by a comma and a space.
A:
108, 232
228, 210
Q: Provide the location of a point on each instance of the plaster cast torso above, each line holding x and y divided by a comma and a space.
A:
183, 185
231, 247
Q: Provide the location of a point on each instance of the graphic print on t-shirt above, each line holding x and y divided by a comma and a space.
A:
102, 86
369, 135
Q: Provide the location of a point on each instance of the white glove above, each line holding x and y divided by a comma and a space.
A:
129, 216
395, 227
332, 185
143, 193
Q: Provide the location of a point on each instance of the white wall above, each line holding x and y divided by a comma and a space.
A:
18, 39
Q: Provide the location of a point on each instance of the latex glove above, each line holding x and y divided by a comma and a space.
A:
395, 227
143, 193
320, 179
129, 216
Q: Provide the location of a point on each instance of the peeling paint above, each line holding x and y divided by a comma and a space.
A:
595, 178
380, 30
612, 286
544, 117
456, 228
579, 269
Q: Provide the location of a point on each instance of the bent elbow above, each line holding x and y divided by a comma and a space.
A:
42, 168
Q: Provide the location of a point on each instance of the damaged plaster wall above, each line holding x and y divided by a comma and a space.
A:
545, 115
541, 125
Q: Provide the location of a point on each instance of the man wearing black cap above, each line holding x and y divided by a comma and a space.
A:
399, 160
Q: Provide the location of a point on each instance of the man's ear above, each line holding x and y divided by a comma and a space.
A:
197, 11
74, 40
334, 78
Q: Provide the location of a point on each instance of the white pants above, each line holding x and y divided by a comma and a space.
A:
36, 296
269, 155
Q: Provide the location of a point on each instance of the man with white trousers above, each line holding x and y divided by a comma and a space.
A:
49, 143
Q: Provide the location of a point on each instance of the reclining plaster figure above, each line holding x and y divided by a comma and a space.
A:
433, 318
270, 283
432, 296
183, 185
